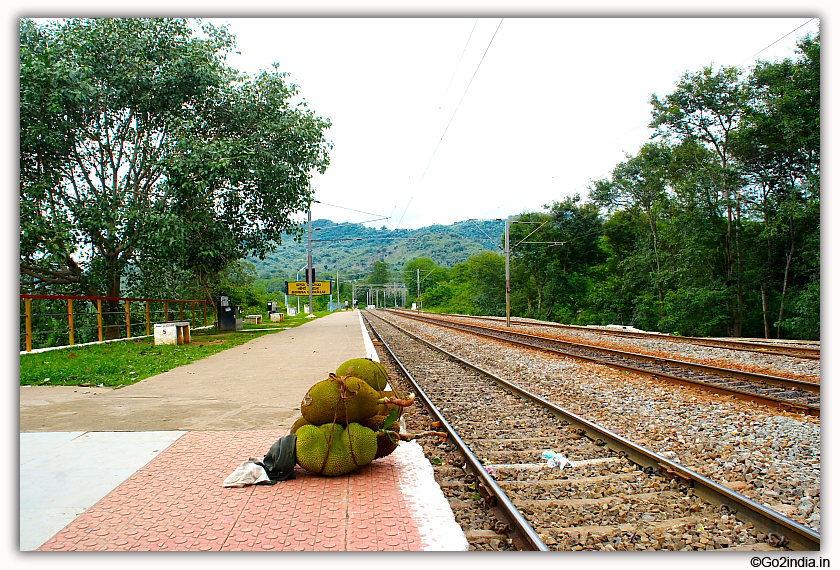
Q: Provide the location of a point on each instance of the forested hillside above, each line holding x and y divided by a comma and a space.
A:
353, 248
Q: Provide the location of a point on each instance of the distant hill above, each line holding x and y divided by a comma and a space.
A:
356, 247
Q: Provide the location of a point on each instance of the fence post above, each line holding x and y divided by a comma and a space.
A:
70, 320
180, 310
99, 317
28, 304
204, 304
127, 319
148, 319
166, 311
192, 304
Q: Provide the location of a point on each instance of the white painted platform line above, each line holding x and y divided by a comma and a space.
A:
427, 502
62, 474
369, 348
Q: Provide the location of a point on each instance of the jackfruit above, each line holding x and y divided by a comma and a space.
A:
372, 372
386, 443
332, 449
339, 399
390, 408
301, 421
386, 429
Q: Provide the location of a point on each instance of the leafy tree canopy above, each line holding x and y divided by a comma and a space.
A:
141, 151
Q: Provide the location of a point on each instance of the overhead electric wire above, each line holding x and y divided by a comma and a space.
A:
471, 79
458, 65
482, 231
450, 121
354, 223
352, 210
777, 41
445, 93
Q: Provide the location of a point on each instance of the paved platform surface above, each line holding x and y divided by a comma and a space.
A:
141, 468
177, 502
253, 386
62, 474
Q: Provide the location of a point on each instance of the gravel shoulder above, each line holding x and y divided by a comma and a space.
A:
771, 457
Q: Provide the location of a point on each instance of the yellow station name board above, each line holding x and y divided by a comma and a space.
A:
301, 288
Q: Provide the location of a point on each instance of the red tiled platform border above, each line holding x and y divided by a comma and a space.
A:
177, 503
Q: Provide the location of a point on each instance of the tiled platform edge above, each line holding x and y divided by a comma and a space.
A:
177, 503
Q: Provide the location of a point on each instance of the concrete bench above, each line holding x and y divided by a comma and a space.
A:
253, 319
177, 332
276, 317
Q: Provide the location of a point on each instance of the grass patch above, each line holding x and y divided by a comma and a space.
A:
123, 363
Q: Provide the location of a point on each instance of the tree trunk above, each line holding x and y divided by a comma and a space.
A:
784, 290
765, 311
739, 323
111, 320
655, 237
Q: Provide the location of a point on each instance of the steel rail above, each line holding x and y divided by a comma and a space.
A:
789, 532
771, 349
529, 339
524, 535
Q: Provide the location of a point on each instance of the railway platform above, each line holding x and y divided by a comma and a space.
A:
141, 468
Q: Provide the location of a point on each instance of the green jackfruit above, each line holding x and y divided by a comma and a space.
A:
386, 443
386, 439
372, 372
339, 399
299, 422
332, 450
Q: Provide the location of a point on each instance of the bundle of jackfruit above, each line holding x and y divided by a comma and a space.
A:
348, 419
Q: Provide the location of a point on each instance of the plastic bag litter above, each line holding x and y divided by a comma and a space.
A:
248, 473
554, 459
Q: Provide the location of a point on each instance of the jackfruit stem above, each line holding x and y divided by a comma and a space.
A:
409, 436
397, 401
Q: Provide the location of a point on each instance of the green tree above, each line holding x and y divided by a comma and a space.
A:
381, 273
779, 148
640, 185
143, 152
487, 277
707, 107
430, 275
578, 227
532, 244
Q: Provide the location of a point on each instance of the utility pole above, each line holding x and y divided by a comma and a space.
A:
309, 271
418, 288
507, 271
298, 296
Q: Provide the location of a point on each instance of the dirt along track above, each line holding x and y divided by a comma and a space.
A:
770, 456
254, 386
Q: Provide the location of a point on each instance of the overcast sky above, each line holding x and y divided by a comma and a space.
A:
437, 120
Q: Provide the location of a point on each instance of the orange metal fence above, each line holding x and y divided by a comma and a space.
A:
65, 320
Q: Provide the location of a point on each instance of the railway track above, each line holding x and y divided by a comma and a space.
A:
601, 491
796, 349
778, 392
